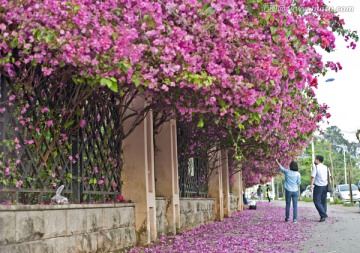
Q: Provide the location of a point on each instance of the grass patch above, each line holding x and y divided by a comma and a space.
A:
306, 199
348, 204
337, 202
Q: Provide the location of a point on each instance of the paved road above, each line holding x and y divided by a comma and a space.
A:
340, 233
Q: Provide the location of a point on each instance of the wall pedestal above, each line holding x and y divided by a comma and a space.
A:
166, 173
138, 177
238, 189
215, 188
225, 182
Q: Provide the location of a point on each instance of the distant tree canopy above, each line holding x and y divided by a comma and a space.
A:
325, 145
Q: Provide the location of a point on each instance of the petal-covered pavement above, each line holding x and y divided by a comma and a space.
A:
263, 230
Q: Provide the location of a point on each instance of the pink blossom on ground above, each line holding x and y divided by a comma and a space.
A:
250, 231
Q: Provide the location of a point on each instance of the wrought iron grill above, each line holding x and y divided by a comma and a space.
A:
193, 169
88, 163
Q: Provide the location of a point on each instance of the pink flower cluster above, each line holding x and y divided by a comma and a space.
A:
249, 74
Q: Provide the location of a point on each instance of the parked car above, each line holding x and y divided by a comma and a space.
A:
308, 194
342, 192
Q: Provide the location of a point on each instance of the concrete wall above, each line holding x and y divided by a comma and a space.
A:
195, 212
68, 228
161, 221
233, 204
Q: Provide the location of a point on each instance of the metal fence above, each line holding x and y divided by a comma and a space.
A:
86, 159
193, 170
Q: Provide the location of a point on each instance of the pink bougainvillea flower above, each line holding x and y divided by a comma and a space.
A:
82, 123
19, 183
44, 110
49, 123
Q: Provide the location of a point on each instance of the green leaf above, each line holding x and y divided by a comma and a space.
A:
205, 6
288, 32
136, 79
115, 36
69, 175
209, 11
68, 124
241, 126
105, 82
111, 83
201, 123
275, 38
273, 29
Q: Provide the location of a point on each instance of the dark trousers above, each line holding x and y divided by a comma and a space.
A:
319, 198
244, 199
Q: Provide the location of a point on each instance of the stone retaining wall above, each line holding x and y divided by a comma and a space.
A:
161, 221
69, 228
195, 212
233, 204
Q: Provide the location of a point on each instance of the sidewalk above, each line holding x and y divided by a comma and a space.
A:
340, 233
263, 230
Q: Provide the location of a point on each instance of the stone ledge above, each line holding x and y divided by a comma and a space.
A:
197, 199
61, 207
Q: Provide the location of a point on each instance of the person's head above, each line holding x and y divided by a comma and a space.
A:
259, 186
319, 159
267, 185
294, 166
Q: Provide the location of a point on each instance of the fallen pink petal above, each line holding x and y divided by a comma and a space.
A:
262, 230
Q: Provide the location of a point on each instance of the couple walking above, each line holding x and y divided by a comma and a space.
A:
320, 176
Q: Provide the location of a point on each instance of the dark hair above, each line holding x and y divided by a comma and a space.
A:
294, 166
320, 158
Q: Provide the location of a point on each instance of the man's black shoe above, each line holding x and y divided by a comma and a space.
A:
322, 219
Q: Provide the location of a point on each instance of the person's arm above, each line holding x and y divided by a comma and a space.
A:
311, 184
313, 174
282, 169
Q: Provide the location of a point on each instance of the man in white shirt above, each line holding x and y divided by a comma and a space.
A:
319, 178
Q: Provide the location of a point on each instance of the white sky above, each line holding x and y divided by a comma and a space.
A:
343, 94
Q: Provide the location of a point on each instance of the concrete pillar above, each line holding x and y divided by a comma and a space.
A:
225, 182
215, 188
138, 176
238, 189
166, 173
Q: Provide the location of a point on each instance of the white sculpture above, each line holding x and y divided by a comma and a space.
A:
58, 199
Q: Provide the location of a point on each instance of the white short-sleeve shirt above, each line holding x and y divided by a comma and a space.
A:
319, 172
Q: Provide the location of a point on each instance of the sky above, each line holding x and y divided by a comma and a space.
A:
343, 94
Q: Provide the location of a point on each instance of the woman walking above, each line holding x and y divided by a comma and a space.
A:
292, 182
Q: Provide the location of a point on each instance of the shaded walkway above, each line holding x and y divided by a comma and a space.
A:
262, 230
